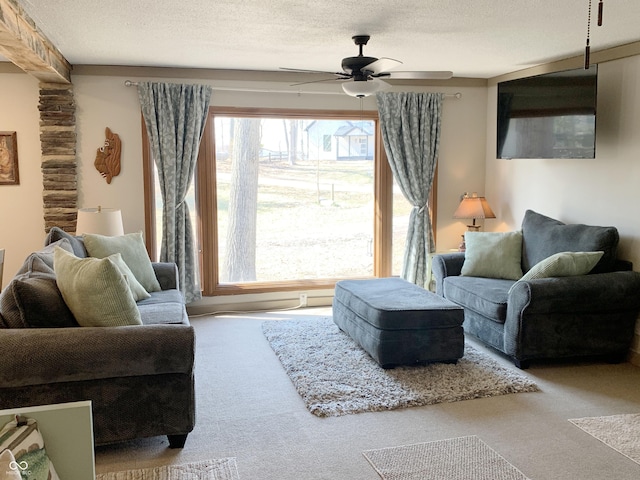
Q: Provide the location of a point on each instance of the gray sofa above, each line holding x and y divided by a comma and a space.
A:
550, 318
140, 378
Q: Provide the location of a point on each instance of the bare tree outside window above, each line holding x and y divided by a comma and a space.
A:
240, 259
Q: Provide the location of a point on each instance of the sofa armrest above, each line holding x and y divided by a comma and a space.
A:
446, 265
167, 275
35, 356
593, 295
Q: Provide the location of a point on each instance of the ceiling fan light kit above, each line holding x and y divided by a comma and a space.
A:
361, 75
362, 88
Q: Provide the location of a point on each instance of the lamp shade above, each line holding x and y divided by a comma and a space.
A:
474, 207
102, 221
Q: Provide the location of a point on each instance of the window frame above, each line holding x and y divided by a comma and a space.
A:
206, 202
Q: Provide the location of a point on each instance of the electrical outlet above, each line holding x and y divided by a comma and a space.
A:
303, 299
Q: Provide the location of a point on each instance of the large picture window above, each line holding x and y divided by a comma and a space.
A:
287, 199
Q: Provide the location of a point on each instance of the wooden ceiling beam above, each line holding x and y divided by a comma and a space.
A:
24, 45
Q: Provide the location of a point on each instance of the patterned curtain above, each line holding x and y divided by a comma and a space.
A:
410, 124
175, 116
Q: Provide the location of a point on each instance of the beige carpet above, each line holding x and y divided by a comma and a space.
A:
620, 432
464, 458
220, 469
334, 376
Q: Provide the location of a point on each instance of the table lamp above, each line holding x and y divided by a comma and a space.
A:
472, 207
102, 221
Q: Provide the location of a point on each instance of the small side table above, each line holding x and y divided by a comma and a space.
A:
431, 282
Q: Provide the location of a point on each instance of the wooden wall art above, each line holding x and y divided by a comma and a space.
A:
9, 159
108, 156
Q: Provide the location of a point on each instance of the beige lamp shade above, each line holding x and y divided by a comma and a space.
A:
102, 221
474, 207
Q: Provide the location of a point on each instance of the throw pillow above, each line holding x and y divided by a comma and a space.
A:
22, 437
56, 233
131, 247
95, 291
544, 236
42, 260
564, 264
32, 298
493, 255
137, 290
35, 301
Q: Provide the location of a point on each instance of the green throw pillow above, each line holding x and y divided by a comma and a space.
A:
131, 247
95, 291
564, 264
137, 290
493, 255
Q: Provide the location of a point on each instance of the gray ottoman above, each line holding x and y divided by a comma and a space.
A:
399, 323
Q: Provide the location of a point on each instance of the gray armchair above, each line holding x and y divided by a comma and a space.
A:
550, 318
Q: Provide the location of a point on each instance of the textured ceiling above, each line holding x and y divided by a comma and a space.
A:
473, 38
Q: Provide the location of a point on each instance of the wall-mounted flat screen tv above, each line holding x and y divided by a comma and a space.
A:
548, 116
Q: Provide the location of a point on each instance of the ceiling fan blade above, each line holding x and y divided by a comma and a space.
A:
426, 75
320, 81
381, 65
302, 70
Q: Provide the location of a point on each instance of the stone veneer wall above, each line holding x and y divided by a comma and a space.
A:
59, 165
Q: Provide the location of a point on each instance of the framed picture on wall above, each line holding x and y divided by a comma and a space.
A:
9, 159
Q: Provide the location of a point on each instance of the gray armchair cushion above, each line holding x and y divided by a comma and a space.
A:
543, 236
487, 296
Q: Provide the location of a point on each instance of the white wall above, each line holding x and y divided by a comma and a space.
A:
21, 220
602, 191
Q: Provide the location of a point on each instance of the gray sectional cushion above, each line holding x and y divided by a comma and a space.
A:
487, 296
543, 236
166, 306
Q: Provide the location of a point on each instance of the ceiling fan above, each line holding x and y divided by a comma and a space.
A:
366, 73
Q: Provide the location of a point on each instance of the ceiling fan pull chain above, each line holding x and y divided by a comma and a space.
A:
600, 8
587, 48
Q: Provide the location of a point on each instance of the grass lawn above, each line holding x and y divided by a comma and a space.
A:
315, 219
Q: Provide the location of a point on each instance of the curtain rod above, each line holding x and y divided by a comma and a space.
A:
129, 83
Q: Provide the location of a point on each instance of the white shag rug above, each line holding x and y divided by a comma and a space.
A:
334, 376
620, 432
218, 469
464, 458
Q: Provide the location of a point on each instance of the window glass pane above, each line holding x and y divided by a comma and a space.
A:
295, 198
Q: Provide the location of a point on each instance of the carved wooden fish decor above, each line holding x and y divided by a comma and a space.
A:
108, 156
